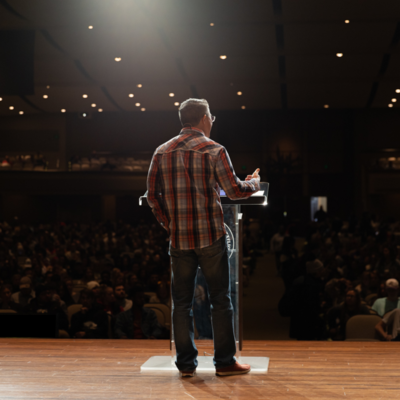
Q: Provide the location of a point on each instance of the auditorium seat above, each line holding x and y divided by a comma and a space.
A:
362, 328
72, 310
8, 312
164, 309
371, 298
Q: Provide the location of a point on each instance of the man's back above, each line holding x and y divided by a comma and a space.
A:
183, 188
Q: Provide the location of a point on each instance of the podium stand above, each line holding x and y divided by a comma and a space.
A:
201, 305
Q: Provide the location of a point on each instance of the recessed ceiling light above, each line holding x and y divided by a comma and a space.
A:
90, 27
131, 95
239, 93
84, 96
326, 106
243, 107
47, 87
100, 110
140, 85
212, 24
117, 59
346, 21
222, 57
171, 95
1, 99
63, 110
176, 104
21, 112
45, 96
397, 90
137, 104
339, 55
143, 109
390, 105
394, 100
11, 108
93, 105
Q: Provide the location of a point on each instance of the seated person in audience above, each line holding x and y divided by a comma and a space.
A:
43, 304
108, 302
91, 322
56, 297
25, 294
339, 315
94, 287
120, 298
388, 327
6, 303
389, 303
65, 294
139, 322
162, 295
106, 278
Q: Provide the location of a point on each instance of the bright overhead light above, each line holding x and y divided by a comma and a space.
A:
45, 96
90, 27
85, 96
140, 85
93, 105
339, 55
63, 110
131, 95
222, 57
117, 59
346, 21
171, 95
390, 105
326, 106
143, 109
1, 99
239, 93
176, 104
394, 100
21, 112
243, 107
137, 104
11, 108
100, 110
397, 90
212, 24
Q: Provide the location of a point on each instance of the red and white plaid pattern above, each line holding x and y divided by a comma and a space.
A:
183, 188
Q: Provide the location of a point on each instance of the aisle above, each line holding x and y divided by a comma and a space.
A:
260, 304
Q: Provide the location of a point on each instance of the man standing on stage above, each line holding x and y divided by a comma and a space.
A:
183, 184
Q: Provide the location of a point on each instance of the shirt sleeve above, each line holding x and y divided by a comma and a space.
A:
225, 175
154, 194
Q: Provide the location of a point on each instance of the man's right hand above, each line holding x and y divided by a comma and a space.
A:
254, 176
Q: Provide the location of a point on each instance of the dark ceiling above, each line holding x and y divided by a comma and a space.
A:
279, 53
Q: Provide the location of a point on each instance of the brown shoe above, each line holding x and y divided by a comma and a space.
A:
187, 374
234, 369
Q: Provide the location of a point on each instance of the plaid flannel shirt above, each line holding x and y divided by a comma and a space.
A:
183, 188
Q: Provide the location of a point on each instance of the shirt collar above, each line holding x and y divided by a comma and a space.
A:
194, 130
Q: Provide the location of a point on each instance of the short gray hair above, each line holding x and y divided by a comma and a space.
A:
191, 111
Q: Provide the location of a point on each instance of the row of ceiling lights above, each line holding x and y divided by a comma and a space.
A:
394, 100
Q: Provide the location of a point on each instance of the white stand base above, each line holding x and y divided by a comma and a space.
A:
167, 364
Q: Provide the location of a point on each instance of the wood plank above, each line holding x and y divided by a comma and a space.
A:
110, 369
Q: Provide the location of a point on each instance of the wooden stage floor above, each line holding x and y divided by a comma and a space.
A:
110, 369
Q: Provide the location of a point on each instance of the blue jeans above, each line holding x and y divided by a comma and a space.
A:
214, 263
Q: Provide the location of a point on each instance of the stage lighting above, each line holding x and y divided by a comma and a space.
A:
212, 24
90, 27
1, 99
176, 104
45, 96
85, 115
390, 105
131, 95
100, 110
139, 85
21, 113
222, 57
63, 110
117, 59
143, 109
346, 21
326, 106
47, 87
85, 96
397, 90
171, 95
243, 107
11, 108
137, 104
239, 93
394, 100
93, 105
339, 55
